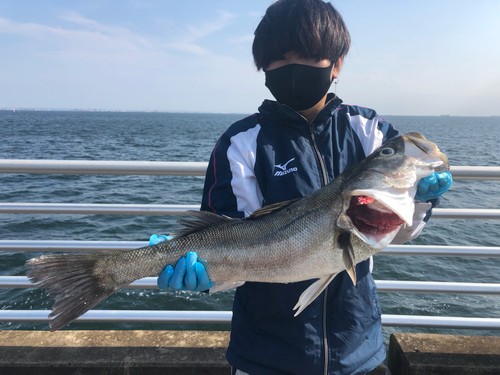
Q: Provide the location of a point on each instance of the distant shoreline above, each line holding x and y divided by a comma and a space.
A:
187, 112
105, 110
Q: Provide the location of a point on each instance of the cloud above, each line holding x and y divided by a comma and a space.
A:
35, 30
193, 33
87, 63
198, 32
242, 39
98, 38
188, 47
90, 39
110, 31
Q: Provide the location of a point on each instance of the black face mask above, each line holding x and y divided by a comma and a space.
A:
299, 86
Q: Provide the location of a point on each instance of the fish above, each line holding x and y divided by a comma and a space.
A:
314, 237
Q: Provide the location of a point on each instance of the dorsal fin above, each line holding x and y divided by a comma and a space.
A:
199, 220
272, 208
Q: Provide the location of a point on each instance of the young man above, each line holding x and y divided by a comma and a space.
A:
289, 149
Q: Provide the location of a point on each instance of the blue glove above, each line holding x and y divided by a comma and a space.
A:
188, 274
433, 186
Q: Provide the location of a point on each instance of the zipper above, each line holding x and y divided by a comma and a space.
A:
318, 154
325, 182
315, 145
325, 337
325, 296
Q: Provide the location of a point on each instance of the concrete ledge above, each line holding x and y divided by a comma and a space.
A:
419, 353
114, 352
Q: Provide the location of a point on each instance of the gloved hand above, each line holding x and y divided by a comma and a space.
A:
188, 274
433, 186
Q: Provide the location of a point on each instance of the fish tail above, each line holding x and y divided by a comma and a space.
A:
73, 283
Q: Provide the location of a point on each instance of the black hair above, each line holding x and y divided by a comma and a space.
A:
311, 28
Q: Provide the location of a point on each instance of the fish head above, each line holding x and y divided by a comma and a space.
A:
378, 193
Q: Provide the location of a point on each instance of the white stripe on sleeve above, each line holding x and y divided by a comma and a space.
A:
241, 155
368, 132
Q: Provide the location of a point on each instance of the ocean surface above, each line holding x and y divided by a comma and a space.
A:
191, 137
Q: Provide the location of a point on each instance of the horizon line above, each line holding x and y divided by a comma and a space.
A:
34, 109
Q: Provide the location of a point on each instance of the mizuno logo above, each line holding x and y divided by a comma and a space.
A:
283, 167
284, 171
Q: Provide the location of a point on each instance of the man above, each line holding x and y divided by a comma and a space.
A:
292, 147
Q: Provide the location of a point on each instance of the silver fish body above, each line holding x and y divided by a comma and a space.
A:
314, 237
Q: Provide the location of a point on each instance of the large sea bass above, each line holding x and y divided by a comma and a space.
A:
318, 236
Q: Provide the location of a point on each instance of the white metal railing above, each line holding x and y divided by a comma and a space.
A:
198, 169
94, 246
177, 169
178, 209
96, 209
110, 167
382, 286
123, 316
20, 166
213, 317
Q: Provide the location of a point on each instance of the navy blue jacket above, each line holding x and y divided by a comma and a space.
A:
273, 156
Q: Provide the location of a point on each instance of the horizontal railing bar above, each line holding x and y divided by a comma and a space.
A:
69, 246
382, 286
97, 209
442, 251
392, 286
111, 167
218, 317
107, 167
15, 282
23, 282
465, 213
475, 173
179, 209
122, 316
95, 246
451, 322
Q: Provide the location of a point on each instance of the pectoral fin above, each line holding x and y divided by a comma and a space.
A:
344, 242
312, 292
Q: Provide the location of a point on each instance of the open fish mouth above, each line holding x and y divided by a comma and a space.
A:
371, 217
376, 215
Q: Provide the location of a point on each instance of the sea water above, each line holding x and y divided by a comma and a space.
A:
191, 137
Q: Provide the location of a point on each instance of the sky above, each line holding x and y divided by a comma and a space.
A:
406, 58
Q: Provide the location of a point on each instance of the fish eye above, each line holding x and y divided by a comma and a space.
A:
387, 151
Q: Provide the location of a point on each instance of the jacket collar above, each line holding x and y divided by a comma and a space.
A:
284, 115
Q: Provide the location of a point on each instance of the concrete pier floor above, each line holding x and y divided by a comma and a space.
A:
203, 352
429, 354
114, 352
